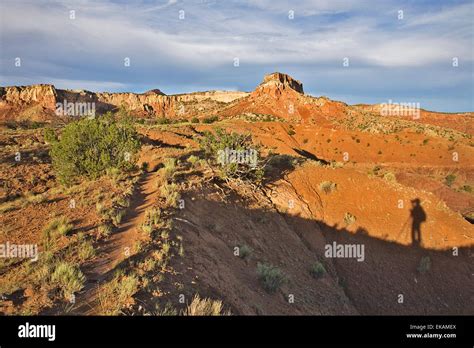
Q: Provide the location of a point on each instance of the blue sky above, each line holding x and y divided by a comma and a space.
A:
405, 60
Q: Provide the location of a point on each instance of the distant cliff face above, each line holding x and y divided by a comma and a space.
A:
40, 102
44, 95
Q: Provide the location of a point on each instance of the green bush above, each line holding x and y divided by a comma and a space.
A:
50, 136
195, 120
210, 119
117, 216
57, 227
270, 276
104, 230
85, 250
327, 186
152, 220
193, 160
215, 146
69, 278
163, 120
90, 147
169, 168
117, 293
244, 251
317, 270
450, 179
171, 194
425, 264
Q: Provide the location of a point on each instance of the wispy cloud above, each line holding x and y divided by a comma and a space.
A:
199, 49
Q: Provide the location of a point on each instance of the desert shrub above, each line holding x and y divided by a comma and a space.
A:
193, 160
168, 310
104, 230
89, 147
117, 216
36, 199
99, 207
271, 277
467, 188
117, 294
31, 124
147, 265
153, 215
50, 136
450, 179
169, 168
291, 132
171, 194
123, 202
195, 120
152, 220
349, 219
425, 264
244, 251
69, 278
85, 250
327, 186
147, 228
390, 177
58, 226
11, 205
210, 119
145, 166
163, 120
204, 307
335, 164
317, 270
222, 150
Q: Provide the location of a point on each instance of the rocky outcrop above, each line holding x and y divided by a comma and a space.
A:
219, 96
277, 83
283, 96
16, 102
43, 95
155, 91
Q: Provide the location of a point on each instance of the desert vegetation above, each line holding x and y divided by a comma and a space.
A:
91, 147
229, 207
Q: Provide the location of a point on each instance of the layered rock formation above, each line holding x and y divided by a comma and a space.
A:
278, 95
283, 96
277, 83
39, 102
44, 95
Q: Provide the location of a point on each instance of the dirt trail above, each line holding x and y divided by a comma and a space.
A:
119, 246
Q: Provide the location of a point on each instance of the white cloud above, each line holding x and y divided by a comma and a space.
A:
209, 37
200, 49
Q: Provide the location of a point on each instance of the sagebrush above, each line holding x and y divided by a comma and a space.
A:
90, 147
